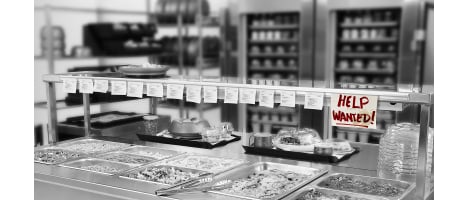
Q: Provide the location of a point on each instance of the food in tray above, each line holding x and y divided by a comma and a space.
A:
127, 158
357, 185
318, 195
54, 156
93, 146
101, 168
299, 137
151, 154
109, 118
205, 163
164, 174
266, 183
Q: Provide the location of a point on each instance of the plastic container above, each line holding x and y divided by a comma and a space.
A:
398, 154
151, 124
211, 135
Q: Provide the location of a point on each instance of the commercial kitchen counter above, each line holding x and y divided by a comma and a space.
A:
53, 182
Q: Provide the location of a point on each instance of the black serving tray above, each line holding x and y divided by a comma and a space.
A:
189, 143
296, 155
79, 121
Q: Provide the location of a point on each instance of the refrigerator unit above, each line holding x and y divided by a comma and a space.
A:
369, 45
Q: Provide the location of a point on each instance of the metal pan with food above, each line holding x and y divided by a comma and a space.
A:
156, 153
371, 187
266, 180
215, 165
98, 166
92, 146
53, 156
327, 194
163, 175
122, 157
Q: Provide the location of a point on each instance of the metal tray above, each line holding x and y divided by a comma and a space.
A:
104, 155
335, 192
80, 155
409, 186
78, 164
215, 172
167, 153
159, 184
67, 144
245, 171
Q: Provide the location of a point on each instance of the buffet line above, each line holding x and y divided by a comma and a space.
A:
172, 172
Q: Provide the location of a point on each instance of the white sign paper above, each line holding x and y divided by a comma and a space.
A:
101, 86
231, 95
86, 86
267, 98
175, 91
353, 110
247, 96
69, 85
210, 94
288, 98
193, 93
155, 90
135, 89
313, 101
118, 87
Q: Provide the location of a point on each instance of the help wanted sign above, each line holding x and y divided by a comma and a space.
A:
357, 111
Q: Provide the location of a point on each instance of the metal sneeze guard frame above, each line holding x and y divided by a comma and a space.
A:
387, 101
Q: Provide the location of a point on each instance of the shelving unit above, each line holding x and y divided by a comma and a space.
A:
272, 53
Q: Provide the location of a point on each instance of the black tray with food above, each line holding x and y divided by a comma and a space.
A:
187, 142
106, 119
276, 152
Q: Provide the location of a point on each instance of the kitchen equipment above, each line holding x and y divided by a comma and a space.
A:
220, 185
153, 70
98, 166
261, 140
322, 193
226, 129
188, 128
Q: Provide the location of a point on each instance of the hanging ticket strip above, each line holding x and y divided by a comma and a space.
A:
345, 110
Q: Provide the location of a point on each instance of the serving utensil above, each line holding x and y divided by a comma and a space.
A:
220, 185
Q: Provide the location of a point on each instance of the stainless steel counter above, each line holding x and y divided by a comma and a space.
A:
53, 182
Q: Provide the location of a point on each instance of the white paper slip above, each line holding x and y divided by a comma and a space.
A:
193, 93
175, 91
313, 101
118, 87
85, 86
135, 89
288, 98
231, 95
155, 90
247, 96
210, 94
267, 98
69, 85
101, 86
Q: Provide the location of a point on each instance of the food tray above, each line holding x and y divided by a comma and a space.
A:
233, 163
336, 195
245, 171
166, 153
108, 156
409, 186
78, 164
297, 155
190, 143
48, 149
141, 71
67, 145
159, 184
129, 117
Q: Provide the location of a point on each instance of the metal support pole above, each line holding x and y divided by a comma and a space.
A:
422, 151
87, 114
180, 56
52, 109
153, 105
200, 49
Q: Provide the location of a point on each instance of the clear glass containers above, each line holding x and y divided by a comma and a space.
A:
398, 154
